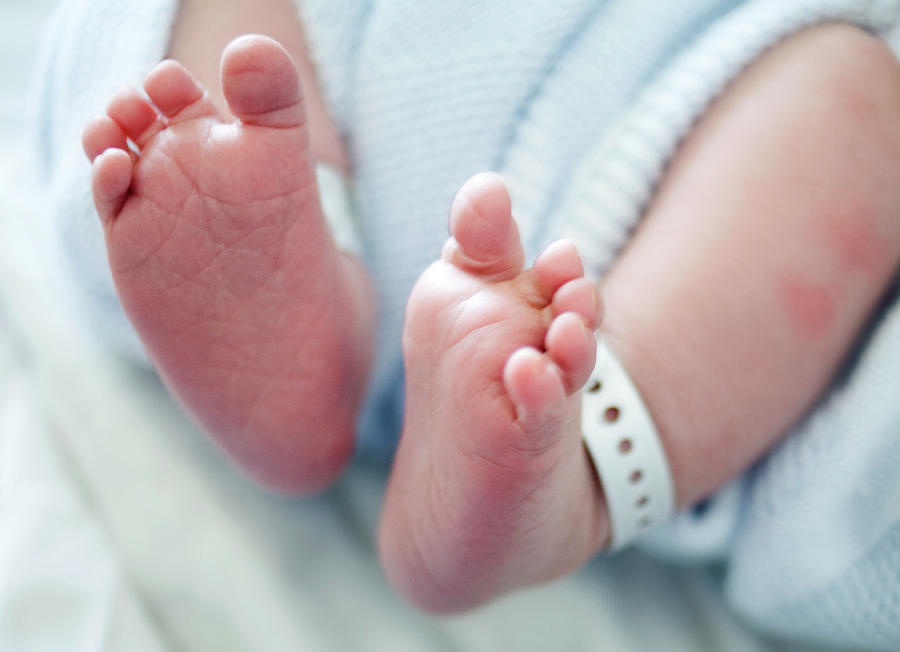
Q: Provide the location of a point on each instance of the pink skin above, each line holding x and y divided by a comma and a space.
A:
809, 308
856, 242
744, 286
491, 472
263, 329
226, 268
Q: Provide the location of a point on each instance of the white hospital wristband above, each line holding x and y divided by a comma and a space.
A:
625, 449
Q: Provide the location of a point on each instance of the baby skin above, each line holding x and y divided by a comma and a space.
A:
225, 266
753, 270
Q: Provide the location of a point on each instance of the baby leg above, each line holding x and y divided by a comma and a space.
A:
768, 244
772, 237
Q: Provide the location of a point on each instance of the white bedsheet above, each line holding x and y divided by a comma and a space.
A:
121, 527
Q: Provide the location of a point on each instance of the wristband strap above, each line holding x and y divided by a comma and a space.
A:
625, 449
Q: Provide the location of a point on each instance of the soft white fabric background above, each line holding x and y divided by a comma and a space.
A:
121, 528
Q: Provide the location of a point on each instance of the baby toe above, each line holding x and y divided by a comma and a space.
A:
135, 115
558, 264
578, 296
110, 180
261, 83
536, 389
101, 134
573, 349
485, 240
176, 93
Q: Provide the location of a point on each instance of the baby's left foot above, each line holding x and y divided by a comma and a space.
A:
491, 487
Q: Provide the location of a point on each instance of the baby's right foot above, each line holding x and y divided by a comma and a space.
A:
225, 266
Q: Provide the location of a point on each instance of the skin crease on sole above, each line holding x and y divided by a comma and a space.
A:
506, 477
491, 489
224, 264
700, 291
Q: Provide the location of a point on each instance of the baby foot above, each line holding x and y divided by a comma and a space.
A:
491, 487
225, 266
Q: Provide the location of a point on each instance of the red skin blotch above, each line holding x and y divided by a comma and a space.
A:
810, 307
856, 242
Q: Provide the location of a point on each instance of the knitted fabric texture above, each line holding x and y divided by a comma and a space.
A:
580, 104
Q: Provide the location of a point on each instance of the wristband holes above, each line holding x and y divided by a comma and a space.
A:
642, 501
594, 387
625, 446
644, 522
636, 476
612, 414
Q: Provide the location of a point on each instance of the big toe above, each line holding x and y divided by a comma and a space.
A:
261, 84
485, 239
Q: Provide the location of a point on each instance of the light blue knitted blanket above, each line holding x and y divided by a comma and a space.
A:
580, 104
